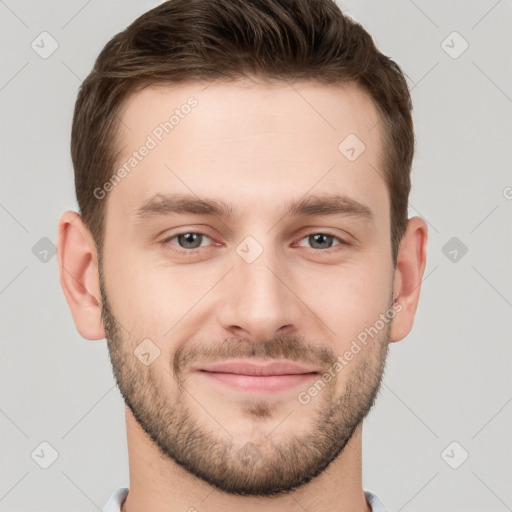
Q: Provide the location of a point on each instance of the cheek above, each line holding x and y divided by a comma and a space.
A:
349, 298
149, 297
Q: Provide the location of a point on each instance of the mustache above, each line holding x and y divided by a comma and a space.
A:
291, 348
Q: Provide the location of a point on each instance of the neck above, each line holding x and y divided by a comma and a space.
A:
158, 484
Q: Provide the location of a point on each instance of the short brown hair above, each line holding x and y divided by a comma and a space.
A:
206, 40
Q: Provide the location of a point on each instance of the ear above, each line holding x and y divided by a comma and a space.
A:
79, 276
411, 261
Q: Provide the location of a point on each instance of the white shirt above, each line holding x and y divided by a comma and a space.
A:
117, 498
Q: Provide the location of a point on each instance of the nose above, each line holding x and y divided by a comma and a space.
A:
258, 302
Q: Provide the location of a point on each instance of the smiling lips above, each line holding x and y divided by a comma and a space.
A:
252, 377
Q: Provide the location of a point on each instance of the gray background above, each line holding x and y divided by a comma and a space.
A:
449, 381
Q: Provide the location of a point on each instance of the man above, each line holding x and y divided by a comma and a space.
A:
243, 170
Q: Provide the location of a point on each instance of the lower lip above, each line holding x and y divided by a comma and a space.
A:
260, 383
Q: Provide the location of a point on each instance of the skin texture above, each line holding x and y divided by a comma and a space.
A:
194, 442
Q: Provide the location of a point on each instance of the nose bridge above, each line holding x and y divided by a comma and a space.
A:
258, 304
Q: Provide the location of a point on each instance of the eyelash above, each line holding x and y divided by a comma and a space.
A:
173, 247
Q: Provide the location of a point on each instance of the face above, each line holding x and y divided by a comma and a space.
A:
247, 275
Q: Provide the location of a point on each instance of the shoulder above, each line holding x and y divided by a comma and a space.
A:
115, 501
374, 502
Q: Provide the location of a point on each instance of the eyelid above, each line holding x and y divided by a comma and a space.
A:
181, 250
167, 240
341, 241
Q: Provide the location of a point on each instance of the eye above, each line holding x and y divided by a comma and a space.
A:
322, 240
191, 240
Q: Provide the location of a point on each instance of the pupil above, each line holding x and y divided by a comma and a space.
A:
321, 239
190, 239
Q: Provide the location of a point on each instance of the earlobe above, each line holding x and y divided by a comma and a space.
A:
410, 267
79, 278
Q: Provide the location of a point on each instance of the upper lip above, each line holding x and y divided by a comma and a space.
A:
261, 368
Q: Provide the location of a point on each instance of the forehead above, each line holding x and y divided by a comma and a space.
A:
243, 140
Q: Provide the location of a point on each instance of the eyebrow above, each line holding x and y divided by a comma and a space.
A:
161, 205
